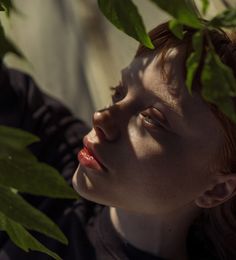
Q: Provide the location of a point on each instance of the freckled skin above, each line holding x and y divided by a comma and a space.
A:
151, 169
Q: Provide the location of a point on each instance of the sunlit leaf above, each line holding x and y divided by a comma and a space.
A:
205, 6
219, 84
16, 208
22, 238
181, 10
225, 19
176, 28
194, 59
125, 16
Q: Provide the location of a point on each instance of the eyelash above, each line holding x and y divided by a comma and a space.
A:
117, 94
149, 122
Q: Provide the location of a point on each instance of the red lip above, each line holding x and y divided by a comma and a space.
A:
88, 159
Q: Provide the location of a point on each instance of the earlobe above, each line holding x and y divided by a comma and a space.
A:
223, 189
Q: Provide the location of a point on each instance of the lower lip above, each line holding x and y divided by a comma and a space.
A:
87, 160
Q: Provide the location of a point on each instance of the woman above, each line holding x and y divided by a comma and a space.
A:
161, 158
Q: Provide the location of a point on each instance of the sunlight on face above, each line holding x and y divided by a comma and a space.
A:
155, 142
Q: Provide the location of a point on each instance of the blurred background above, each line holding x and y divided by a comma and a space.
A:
72, 51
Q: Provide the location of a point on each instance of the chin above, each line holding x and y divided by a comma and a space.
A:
84, 187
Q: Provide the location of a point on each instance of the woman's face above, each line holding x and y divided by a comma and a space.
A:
153, 146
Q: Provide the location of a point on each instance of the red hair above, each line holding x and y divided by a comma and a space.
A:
218, 224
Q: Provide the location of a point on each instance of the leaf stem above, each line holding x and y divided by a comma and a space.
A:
209, 40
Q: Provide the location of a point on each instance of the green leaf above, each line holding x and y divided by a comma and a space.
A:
16, 208
181, 10
125, 17
194, 59
219, 84
7, 46
8, 152
225, 19
205, 6
22, 238
176, 28
25, 175
16, 137
19, 169
7, 6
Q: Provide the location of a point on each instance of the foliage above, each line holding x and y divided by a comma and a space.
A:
20, 171
126, 18
217, 79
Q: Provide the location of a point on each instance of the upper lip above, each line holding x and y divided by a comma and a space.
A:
89, 145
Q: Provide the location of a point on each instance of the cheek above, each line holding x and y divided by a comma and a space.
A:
167, 172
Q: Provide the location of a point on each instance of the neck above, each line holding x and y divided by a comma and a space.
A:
163, 236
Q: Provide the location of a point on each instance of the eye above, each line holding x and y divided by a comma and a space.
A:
117, 93
153, 119
149, 122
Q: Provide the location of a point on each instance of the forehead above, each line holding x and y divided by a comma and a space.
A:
164, 81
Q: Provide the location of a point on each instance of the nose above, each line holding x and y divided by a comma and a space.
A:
106, 125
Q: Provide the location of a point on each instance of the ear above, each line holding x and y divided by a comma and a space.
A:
223, 189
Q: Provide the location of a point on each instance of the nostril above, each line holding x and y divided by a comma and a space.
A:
101, 135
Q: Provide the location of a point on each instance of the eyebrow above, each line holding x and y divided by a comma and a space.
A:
168, 105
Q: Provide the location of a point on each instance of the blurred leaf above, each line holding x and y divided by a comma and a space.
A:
194, 59
8, 152
27, 175
205, 6
7, 46
16, 137
7, 6
16, 208
176, 28
125, 17
22, 238
225, 19
181, 10
219, 84
19, 169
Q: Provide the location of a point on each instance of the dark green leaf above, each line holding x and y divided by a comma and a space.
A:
181, 10
194, 59
8, 152
16, 137
7, 6
176, 28
16, 208
6, 46
205, 6
19, 169
22, 238
219, 84
30, 176
1, 8
226, 19
125, 17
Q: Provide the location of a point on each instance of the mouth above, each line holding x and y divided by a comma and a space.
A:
87, 158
